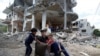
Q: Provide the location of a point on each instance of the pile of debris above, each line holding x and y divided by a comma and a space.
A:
14, 45
81, 40
12, 40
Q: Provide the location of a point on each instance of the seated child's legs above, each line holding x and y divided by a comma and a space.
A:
64, 50
55, 48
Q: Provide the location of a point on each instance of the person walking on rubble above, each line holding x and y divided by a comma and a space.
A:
29, 40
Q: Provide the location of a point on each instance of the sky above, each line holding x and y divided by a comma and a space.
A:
86, 9
3, 5
90, 10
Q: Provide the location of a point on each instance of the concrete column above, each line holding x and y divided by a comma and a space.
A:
24, 24
65, 14
12, 27
12, 23
44, 15
33, 1
17, 24
33, 21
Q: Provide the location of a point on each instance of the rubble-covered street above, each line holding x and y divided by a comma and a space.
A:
74, 24
14, 46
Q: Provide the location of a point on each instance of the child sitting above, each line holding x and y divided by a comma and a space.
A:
50, 39
55, 47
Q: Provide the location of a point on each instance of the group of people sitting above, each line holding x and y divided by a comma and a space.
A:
52, 45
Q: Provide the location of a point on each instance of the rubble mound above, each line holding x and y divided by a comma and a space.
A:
12, 40
14, 46
82, 50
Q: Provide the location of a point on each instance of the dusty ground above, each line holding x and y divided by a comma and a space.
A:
73, 49
78, 50
13, 47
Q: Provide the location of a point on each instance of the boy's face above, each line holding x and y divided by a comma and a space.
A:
34, 33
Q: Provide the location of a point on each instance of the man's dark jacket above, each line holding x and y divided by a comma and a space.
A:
30, 38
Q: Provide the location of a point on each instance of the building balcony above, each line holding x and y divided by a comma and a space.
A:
7, 21
7, 11
75, 27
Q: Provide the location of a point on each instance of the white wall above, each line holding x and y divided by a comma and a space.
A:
86, 26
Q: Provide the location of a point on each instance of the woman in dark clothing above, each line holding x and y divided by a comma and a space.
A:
29, 40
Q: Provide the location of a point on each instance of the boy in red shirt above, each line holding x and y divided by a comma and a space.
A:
55, 47
50, 39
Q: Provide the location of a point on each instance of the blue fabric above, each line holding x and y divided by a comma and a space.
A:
28, 50
55, 49
28, 41
30, 38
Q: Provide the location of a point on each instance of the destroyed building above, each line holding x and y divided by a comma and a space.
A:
83, 27
23, 15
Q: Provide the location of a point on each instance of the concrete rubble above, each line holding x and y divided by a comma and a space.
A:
75, 45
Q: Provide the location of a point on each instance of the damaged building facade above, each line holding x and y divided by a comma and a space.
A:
83, 27
23, 15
